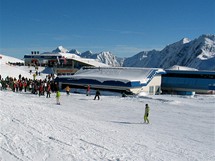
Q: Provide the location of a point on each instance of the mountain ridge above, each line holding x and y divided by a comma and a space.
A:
198, 53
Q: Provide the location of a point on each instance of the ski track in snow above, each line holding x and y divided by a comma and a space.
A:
111, 129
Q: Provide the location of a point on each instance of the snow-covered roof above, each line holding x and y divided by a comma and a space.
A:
69, 55
122, 74
66, 55
177, 67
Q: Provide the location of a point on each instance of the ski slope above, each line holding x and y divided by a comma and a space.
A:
34, 128
7, 69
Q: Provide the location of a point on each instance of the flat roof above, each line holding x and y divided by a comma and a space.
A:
191, 72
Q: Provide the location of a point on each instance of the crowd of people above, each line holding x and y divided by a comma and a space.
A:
34, 86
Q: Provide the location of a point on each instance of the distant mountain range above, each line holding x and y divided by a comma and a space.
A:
198, 53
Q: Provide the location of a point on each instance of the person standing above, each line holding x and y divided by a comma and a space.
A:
41, 90
97, 94
67, 89
34, 76
88, 90
146, 115
25, 86
58, 97
20, 85
48, 91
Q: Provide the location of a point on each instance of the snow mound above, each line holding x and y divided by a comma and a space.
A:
5, 59
9, 70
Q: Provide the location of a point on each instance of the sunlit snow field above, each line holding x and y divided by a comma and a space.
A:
34, 128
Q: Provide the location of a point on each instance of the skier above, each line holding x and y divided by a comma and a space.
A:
58, 97
67, 89
25, 86
88, 90
146, 115
48, 91
20, 85
20, 76
97, 94
41, 90
34, 76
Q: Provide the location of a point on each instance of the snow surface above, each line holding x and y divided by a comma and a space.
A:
34, 128
5, 59
14, 71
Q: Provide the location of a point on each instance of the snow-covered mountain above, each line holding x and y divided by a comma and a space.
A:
105, 57
198, 53
86, 54
142, 59
60, 49
74, 51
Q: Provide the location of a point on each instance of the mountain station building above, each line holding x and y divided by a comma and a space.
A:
188, 81
120, 79
62, 63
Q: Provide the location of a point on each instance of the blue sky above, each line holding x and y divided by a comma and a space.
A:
124, 27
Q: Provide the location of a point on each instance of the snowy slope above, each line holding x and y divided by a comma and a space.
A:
5, 59
111, 129
145, 58
104, 57
14, 71
34, 128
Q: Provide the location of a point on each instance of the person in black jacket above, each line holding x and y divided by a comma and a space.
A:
97, 94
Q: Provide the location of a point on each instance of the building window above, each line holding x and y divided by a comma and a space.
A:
151, 90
